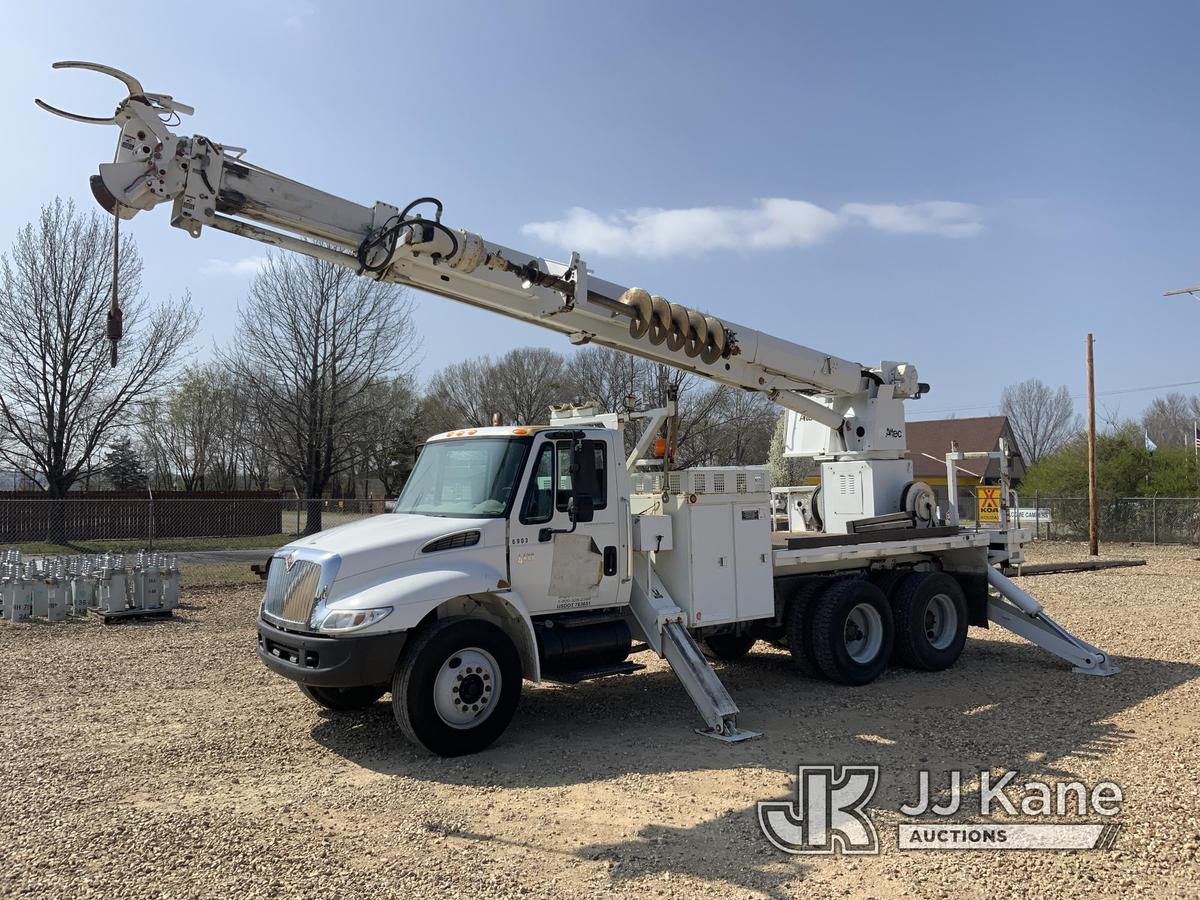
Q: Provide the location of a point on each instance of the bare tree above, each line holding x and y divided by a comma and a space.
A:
183, 426
745, 426
315, 336
606, 377
1042, 419
528, 380
520, 386
240, 456
463, 394
716, 425
390, 450
59, 398
1169, 420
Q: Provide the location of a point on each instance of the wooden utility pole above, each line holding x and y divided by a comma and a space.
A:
1093, 527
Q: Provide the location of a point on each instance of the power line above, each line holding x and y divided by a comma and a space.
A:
1108, 393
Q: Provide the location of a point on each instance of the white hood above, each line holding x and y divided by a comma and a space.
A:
395, 537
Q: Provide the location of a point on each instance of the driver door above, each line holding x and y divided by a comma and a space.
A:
553, 568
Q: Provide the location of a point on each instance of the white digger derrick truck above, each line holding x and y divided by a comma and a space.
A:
544, 551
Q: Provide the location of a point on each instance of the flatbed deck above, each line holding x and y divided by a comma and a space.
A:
796, 550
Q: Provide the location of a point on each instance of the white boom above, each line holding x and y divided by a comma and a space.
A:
210, 184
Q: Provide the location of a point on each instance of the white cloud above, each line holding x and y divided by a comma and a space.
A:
247, 267
772, 223
944, 218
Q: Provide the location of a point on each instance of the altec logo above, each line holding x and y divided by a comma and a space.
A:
829, 813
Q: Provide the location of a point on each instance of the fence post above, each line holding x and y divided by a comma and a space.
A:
1154, 519
151, 493
1037, 516
297, 494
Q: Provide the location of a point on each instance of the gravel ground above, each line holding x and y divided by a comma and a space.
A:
161, 759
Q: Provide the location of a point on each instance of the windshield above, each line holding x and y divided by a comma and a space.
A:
476, 477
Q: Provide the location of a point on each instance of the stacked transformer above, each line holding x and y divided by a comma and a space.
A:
111, 585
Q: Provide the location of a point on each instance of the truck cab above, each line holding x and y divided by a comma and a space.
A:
496, 529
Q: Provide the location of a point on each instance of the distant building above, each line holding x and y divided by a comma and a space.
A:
929, 442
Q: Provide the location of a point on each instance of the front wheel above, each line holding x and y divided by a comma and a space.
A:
344, 699
457, 686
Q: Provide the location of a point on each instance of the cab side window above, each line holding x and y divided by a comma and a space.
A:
538, 505
595, 455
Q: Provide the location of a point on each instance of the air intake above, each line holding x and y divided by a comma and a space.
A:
452, 542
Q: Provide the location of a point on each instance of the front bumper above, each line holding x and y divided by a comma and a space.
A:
338, 662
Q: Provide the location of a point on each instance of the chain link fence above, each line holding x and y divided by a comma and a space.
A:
1140, 520
1150, 520
126, 521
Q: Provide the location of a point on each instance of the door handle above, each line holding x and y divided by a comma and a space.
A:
610, 560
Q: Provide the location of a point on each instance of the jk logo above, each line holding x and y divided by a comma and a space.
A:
828, 815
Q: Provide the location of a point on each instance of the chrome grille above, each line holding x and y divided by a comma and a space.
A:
290, 594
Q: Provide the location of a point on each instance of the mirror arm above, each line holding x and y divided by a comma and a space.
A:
546, 534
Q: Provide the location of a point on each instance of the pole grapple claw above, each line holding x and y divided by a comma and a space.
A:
132, 85
163, 103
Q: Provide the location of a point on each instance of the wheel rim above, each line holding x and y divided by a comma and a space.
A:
863, 633
941, 621
466, 688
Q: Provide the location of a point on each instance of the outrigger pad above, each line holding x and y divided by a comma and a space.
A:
738, 734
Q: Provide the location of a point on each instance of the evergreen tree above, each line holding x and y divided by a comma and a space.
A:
123, 466
785, 471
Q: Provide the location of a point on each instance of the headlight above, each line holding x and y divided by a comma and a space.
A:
337, 621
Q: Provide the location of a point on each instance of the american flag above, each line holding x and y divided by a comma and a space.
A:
1196, 428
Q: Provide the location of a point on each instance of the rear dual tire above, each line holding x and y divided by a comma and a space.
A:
930, 612
852, 632
847, 629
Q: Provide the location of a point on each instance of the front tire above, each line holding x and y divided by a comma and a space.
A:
852, 632
344, 699
931, 620
457, 686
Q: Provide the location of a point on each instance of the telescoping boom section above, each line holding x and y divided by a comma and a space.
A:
543, 551
210, 184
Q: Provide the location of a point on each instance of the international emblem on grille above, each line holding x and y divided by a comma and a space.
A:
291, 589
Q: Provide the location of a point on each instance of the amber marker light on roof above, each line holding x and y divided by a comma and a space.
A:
520, 431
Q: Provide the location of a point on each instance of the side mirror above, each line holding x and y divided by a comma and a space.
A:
580, 508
